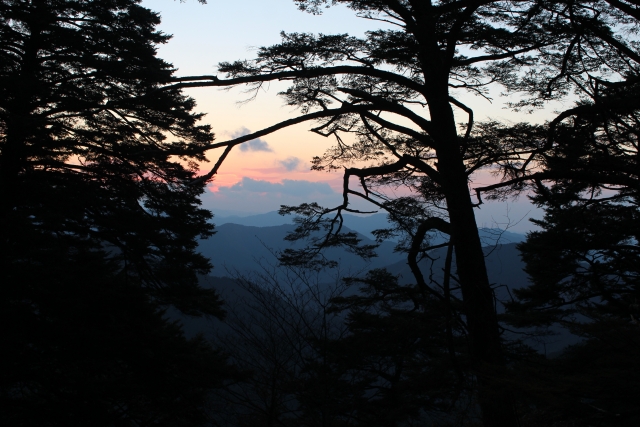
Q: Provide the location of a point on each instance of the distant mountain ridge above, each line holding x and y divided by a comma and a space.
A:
363, 224
243, 250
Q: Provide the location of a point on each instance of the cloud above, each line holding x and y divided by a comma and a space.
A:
290, 163
288, 187
257, 196
253, 145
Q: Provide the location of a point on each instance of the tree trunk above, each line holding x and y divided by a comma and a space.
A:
19, 131
478, 300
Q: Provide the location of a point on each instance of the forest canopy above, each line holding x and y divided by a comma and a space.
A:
100, 152
100, 218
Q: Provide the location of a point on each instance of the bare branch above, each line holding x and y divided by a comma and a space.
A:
214, 170
469, 111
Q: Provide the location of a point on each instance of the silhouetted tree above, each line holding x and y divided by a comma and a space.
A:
584, 259
369, 93
375, 89
99, 216
325, 354
583, 263
409, 353
279, 336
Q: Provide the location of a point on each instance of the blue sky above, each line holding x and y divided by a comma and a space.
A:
275, 169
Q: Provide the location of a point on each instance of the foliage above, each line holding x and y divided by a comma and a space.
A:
88, 139
411, 352
99, 220
318, 353
583, 264
388, 99
280, 327
84, 345
583, 260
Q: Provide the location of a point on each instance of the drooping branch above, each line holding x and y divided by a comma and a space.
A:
433, 223
379, 137
344, 109
214, 170
398, 128
334, 226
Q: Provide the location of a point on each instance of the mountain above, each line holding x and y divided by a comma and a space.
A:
268, 219
240, 248
504, 266
363, 224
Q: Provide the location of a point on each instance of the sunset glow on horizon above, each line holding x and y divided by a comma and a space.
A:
261, 175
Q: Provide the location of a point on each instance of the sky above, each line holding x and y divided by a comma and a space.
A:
274, 170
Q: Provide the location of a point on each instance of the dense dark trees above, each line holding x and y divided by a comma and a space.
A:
389, 100
85, 130
324, 354
583, 261
99, 216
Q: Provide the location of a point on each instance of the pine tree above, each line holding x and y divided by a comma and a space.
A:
583, 260
99, 216
388, 98
88, 142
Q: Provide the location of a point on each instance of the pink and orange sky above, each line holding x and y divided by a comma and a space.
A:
260, 176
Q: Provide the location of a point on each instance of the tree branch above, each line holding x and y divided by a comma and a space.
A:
390, 106
405, 160
398, 128
206, 81
469, 111
433, 223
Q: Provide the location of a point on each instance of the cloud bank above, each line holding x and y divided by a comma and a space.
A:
288, 186
252, 195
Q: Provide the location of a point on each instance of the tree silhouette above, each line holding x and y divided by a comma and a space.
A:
279, 332
377, 89
583, 264
99, 220
313, 356
371, 94
583, 261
